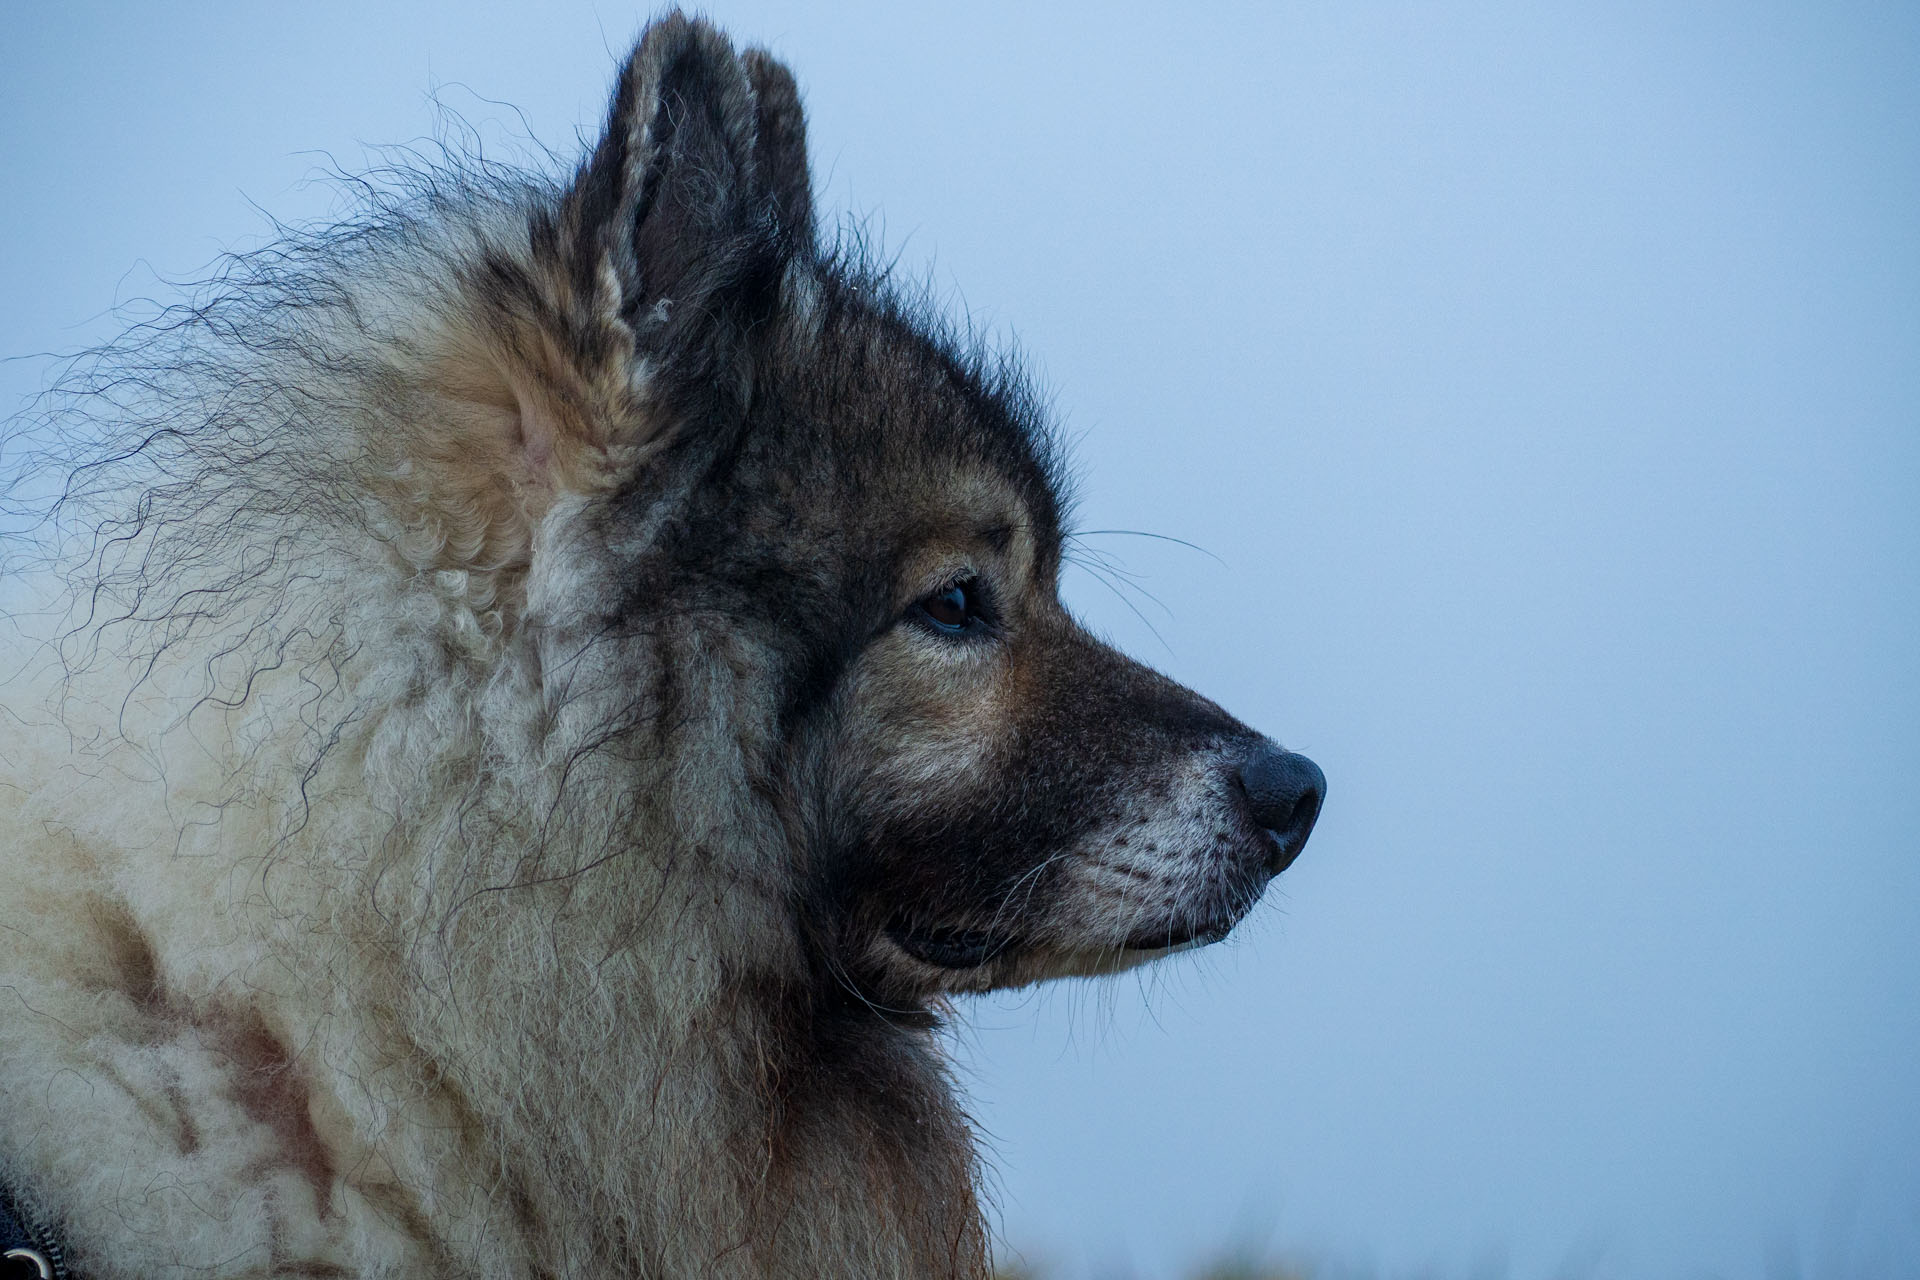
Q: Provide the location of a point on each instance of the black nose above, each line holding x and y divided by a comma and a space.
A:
1284, 791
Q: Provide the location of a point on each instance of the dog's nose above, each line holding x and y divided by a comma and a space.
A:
1284, 790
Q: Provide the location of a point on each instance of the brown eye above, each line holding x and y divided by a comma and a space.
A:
955, 610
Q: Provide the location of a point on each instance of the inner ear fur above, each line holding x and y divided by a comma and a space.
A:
629, 306
683, 219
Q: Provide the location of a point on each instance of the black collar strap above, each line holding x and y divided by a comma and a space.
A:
27, 1250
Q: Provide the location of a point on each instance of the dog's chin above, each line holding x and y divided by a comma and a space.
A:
956, 959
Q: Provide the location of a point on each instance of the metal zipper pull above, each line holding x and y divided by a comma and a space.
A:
26, 1264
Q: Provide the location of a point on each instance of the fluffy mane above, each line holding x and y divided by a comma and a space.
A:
278, 629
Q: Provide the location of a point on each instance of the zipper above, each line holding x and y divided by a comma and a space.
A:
42, 1251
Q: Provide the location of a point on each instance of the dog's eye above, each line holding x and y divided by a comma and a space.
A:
954, 611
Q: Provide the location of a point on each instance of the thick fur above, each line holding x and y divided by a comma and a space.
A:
493, 783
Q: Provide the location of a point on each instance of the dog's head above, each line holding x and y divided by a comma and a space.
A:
976, 792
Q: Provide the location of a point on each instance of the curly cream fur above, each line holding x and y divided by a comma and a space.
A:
318, 761
527, 704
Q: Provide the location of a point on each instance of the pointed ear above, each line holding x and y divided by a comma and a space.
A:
627, 308
683, 219
781, 144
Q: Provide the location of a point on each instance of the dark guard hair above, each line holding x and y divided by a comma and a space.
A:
536, 697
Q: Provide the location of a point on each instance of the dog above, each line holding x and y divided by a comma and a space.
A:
528, 705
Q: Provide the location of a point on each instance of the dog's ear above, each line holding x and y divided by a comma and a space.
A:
685, 216
630, 306
781, 144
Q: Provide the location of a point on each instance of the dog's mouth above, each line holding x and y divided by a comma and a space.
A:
960, 948
1200, 933
949, 948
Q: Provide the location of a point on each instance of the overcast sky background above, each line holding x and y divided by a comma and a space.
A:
1546, 382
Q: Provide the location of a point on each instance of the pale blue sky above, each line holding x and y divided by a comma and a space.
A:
1547, 380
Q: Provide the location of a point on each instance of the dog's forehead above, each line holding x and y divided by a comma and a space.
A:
960, 523
954, 438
